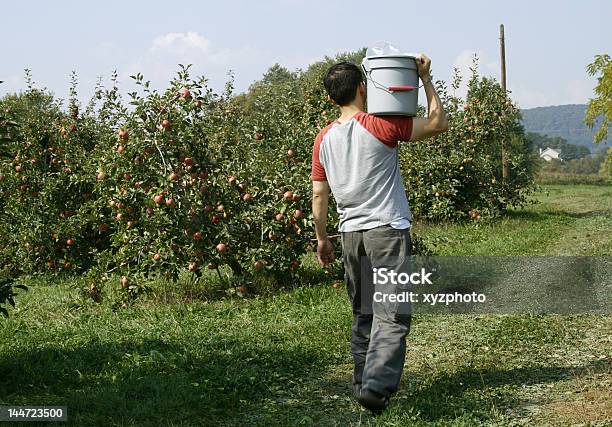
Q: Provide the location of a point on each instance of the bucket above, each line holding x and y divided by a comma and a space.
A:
392, 84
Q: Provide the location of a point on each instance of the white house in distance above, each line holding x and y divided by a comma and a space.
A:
550, 154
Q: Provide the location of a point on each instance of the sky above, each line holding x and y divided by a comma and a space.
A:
548, 43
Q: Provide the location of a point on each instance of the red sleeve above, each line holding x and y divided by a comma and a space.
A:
388, 129
318, 172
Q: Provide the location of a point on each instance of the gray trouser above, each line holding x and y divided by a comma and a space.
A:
379, 331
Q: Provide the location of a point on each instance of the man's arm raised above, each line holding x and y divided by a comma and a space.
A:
436, 121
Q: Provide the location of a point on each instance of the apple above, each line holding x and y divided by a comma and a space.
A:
258, 265
170, 202
247, 197
215, 219
124, 281
166, 124
220, 208
232, 180
188, 161
159, 199
67, 265
288, 195
242, 186
69, 242
102, 227
150, 211
18, 168
198, 103
73, 127
259, 136
241, 289
157, 257
119, 217
100, 176
296, 198
121, 149
174, 176
123, 134
63, 131
279, 217
197, 235
298, 214
130, 224
193, 266
184, 92
291, 153
295, 264
221, 248
337, 285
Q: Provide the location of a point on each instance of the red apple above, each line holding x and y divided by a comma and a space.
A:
184, 92
232, 180
174, 176
197, 235
298, 214
69, 242
119, 217
258, 265
102, 228
247, 197
295, 265
242, 186
242, 289
166, 124
100, 176
159, 199
279, 217
220, 208
150, 211
221, 248
291, 153
123, 134
193, 266
121, 149
215, 219
188, 161
170, 202
157, 257
259, 136
288, 195
296, 198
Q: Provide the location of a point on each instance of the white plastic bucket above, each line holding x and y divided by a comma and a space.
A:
392, 84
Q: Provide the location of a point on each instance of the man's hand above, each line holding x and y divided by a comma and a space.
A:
325, 252
423, 66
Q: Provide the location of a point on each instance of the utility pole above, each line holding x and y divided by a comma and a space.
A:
502, 52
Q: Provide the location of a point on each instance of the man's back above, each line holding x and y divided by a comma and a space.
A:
359, 159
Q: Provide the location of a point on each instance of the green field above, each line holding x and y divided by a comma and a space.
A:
284, 358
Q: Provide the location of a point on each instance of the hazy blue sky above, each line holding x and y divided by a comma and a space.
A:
548, 43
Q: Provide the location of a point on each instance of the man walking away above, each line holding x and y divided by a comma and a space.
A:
356, 158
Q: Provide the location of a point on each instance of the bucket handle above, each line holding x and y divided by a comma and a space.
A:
389, 89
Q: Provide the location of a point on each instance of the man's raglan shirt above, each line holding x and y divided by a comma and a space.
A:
360, 161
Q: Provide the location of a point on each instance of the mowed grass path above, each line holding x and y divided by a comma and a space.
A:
284, 358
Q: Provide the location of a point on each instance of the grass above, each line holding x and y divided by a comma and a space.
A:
284, 358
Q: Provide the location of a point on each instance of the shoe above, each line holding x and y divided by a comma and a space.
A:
373, 401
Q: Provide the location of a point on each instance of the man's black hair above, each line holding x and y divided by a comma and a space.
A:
341, 82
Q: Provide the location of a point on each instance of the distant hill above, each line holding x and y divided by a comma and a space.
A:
561, 120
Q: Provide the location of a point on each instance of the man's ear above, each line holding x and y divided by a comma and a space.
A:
362, 88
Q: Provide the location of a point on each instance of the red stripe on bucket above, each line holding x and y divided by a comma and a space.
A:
401, 88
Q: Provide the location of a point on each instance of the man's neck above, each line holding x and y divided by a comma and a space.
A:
348, 111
